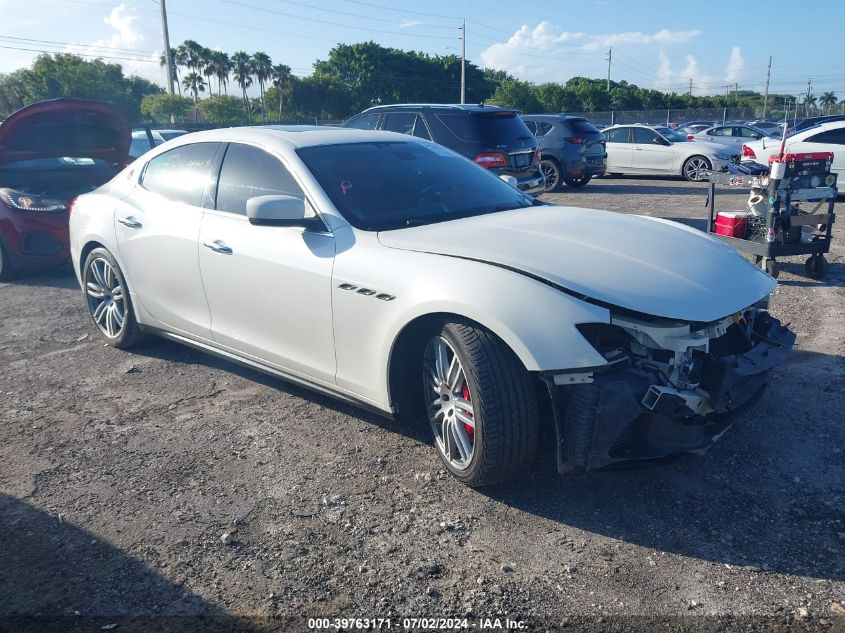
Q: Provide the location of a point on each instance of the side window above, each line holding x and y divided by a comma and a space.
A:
745, 132
720, 131
644, 135
182, 173
420, 130
618, 135
365, 121
532, 127
834, 137
543, 128
402, 122
248, 172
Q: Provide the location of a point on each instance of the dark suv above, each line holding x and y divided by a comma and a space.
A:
493, 137
572, 149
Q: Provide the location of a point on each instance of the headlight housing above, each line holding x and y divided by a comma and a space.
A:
29, 202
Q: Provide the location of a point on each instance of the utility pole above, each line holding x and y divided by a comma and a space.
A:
807, 100
463, 61
690, 87
609, 59
167, 54
736, 93
766, 94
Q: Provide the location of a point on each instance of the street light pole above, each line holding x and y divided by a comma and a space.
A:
167, 54
463, 61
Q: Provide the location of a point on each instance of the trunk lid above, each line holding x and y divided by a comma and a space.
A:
77, 128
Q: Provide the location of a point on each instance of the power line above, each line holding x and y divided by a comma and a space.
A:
39, 50
311, 7
29, 40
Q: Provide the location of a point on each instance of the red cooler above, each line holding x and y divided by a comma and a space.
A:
731, 223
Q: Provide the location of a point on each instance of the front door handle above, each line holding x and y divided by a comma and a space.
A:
218, 246
131, 222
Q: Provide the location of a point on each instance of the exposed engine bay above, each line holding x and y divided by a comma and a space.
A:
61, 178
668, 387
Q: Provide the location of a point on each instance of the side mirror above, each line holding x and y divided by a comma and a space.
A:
281, 211
513, 182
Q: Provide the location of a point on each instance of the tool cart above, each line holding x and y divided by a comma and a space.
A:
777, 222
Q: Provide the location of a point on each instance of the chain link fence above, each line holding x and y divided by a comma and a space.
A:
666, 117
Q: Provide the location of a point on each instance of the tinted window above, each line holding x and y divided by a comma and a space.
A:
543, 128
617, 135
181, 174
746, 132
402, 122
364, 122
582, 125
671, 135
836, 137
249, 172
532, 127
420, 130
381, 186
644, 135
495, 128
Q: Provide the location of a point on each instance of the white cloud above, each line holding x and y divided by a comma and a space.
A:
406, 24
132, 38
736, 65
678, 81
523, 53
663, 36
664, 73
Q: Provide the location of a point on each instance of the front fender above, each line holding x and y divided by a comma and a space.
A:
534, 319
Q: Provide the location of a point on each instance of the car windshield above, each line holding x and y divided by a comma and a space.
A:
379, 186
671, 135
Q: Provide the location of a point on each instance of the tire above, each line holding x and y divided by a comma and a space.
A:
693, 166
492, 381
104, 285
551, 171
6, 270
816, 266
577, 183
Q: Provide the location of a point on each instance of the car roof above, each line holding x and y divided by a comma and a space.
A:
467, 107
289, 136
553, 117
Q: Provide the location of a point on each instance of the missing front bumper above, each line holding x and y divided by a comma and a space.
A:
623, 416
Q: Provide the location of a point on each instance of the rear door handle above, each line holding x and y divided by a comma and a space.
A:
131, 222
218, 246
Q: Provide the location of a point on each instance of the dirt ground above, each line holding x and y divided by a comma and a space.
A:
162, 486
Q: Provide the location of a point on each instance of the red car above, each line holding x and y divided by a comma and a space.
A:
50, 152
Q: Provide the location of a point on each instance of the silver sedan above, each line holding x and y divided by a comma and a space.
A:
732, 134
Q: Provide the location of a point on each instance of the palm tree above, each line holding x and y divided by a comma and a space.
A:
222, 67
194, 83
242, 71
827, 101
809, 102
191, 53
174, 59
281, 76
262, 67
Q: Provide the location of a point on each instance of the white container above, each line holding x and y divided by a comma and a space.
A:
778, 171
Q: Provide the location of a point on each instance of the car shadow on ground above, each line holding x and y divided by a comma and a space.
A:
750, 501
56, 576
61, 277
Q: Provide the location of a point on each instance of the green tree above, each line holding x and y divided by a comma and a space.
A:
242, 72
163, 107
282, 79
827, 100
222, 66
174, 56
195, 84
262, 67
225, 109
516, 94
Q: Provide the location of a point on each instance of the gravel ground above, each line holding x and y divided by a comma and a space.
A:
163, 482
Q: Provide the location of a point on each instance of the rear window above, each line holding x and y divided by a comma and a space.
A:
582, 125
490, 128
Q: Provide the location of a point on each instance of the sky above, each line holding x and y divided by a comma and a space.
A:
717, 47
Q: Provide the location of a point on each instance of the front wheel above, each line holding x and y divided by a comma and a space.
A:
108, 300
551, 172
696, 168
481, 404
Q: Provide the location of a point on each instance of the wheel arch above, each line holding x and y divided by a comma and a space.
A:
689, 158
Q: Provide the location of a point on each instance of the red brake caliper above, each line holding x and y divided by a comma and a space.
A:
465, 395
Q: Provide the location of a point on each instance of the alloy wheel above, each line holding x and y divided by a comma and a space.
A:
106, 297
696, 169
450, 405
551, 174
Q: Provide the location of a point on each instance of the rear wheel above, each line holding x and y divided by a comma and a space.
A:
481, 404
696, 168
551, 172
108, 300
576, 183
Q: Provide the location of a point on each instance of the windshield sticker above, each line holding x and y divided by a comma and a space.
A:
345, 186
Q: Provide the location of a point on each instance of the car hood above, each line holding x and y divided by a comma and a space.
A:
643, 264
77, 128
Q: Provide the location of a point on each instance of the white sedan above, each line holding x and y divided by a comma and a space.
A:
826, 137
641, 149
732, 135
390, 272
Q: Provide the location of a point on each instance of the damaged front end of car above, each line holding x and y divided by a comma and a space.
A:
668, 387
